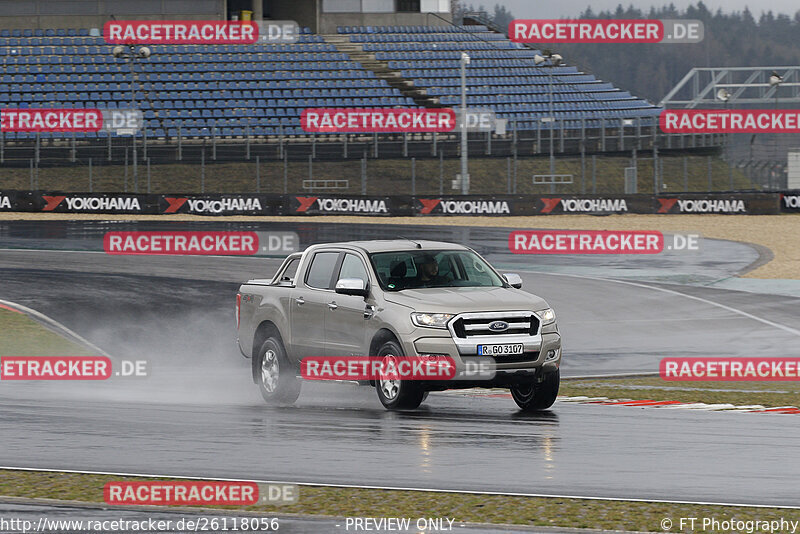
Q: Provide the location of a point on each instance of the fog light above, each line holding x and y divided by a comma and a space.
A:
433, 357
551, 355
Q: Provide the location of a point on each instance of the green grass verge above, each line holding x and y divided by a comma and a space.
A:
348, 502
768, 394
22, 336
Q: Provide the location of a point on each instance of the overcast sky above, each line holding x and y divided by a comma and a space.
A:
545, 9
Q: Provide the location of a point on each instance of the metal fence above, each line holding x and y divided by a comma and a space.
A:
586, 160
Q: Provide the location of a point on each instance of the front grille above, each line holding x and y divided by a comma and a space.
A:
466, 327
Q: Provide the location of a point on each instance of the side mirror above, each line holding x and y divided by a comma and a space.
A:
513, 279
352, 286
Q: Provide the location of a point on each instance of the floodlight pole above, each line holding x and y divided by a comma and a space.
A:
131, 61
465, 59
131, 55
552, 126
554, 60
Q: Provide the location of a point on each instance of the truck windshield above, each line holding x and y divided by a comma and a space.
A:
418, 269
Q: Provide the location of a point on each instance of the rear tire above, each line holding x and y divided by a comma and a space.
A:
277, 380
397, 394
533, 397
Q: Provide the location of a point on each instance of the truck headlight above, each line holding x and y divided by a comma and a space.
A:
431, 320
547, 316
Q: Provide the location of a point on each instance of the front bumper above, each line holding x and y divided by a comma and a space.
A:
541, 355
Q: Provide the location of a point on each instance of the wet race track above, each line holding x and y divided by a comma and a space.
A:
199, 414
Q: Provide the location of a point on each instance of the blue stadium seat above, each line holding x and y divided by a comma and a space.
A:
227, 84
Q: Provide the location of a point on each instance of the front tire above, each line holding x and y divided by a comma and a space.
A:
396, 394
277, 380
532, 397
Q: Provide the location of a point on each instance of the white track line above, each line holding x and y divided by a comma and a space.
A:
400, 488
53, 250
678, 293
53, 324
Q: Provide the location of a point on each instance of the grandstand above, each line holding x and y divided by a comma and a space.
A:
247, 99
261, 89
502, 76
228, 87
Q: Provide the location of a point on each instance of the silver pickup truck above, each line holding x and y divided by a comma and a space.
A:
395, 300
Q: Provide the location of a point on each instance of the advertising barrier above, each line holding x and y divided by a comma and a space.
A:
233, 204
723, 204
474, 206
347, 205
592, 204
14, 201
790, 201
399, 205
57, 202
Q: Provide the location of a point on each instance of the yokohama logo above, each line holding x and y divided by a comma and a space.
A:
225, 204
666, 204
475, 207
465, 207
92, 203
174, 204
789, 201
52, 202
576, 205
428, 205
346, 205
711, 206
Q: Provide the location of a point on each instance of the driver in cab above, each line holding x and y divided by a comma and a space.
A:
428, 273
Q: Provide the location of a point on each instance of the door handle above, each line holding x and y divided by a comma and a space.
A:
369, 311
300, 301
332, 305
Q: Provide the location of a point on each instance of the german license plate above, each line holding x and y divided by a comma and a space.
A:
500, 350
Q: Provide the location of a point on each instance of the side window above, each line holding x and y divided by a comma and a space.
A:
353, 267
321, 270
290, 272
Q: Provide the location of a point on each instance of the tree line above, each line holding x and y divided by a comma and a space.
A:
735, 39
